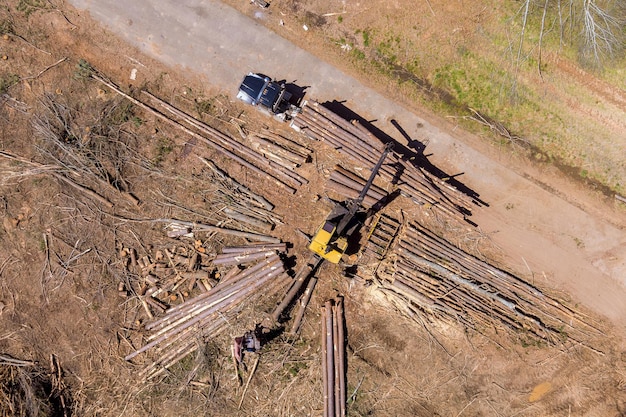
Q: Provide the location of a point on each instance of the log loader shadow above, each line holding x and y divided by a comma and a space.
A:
413, 152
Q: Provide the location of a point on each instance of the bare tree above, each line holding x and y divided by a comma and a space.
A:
600, 32
543, 22
594, 24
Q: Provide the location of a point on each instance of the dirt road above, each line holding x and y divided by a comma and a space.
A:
563, 239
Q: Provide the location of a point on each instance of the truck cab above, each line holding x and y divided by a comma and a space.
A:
268, 95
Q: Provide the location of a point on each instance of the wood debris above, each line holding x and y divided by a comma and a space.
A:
238, 202
80, 155
239, 255
177, 227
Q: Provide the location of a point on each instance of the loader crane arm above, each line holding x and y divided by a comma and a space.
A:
328, 244
330, 241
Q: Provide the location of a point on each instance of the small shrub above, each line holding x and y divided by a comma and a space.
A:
84, 70
163, 148
122, 113
366, 35
6, 27
203, 106
30, 6
137, 121
7, 81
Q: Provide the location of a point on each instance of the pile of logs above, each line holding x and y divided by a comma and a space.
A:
166, 277
241, 255
381, 235
244, 153
352, 139
348, 184
177, 228
280, 149
180, 330
433, 276
334, 358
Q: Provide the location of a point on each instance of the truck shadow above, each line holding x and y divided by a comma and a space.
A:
297, 92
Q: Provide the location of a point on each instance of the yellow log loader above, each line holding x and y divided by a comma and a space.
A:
330, 241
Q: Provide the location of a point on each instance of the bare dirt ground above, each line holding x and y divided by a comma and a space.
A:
60, 263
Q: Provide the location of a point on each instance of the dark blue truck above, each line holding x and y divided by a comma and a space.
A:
269, 96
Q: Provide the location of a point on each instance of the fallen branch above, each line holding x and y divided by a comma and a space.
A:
63, 178
45, 69
245, 389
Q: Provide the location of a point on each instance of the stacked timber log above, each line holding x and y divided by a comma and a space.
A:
352, 139
381, 235
176, 228
240, 255
433, 276
280, 149
348, 184
181, 329
238, 151
334, 358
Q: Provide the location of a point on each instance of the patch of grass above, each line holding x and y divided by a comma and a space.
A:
471, 81
83, 70
563, 335
358, 55
366, 35
296, 367
7, 81
30, 6
579, 243
529, 342
388, 49
163, 148
6, 27
137, 121
203, 106
414, 66
123, 113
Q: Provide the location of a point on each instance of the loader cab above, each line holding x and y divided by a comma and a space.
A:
326, 244
333, 237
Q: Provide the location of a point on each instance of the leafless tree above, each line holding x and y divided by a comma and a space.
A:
594, 24
601, 31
